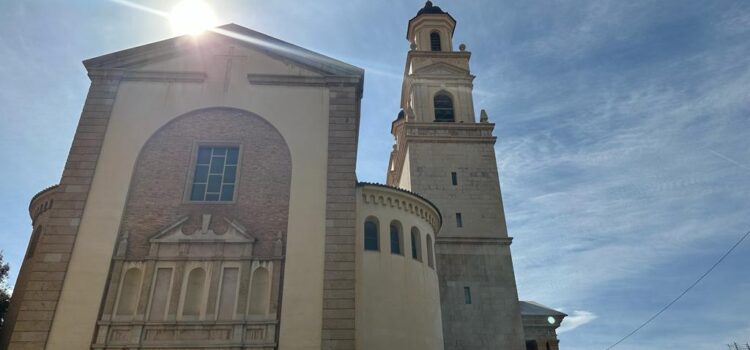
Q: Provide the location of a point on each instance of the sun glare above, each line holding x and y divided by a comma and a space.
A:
191, 17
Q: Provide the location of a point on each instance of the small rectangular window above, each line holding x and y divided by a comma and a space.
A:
454, 178
467, 295
459, 220
215, 174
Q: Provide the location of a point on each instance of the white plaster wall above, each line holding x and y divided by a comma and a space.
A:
140, 109
398, 299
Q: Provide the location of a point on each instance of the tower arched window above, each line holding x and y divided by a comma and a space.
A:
397, 238
372, 239
416, 244
443, 104
435, 42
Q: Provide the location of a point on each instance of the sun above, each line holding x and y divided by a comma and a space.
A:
191, 17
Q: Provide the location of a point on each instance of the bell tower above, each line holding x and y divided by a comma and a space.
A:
444, 154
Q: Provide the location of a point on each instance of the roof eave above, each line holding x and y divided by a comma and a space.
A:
146, 53
427, 14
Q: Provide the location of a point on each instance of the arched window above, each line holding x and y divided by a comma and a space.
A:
416, 244
397, 239
371, 234
259, 293
430, 252
129, 292
443, 105
191, 305
435, 41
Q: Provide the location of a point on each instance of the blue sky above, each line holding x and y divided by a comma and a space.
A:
622, 136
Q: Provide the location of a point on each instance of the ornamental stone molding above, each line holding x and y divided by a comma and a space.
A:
386, 196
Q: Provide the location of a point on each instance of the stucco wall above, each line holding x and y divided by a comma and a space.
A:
398, 303
300, 114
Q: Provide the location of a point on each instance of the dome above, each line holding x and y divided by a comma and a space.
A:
430, 9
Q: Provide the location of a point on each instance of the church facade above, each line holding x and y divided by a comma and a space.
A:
210, 201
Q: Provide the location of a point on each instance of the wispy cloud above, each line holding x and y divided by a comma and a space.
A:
729, 160
576, 319
602, 151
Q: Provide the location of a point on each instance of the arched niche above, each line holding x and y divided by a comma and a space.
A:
259, 292
194, 293
129, 291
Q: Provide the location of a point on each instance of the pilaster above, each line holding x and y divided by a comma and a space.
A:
338, 331
45, 272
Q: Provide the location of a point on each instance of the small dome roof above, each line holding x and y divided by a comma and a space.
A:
400, 115
429, 8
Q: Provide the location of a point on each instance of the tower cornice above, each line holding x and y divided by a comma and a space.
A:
449, 132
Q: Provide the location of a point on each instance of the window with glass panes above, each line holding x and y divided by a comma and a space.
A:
215, 174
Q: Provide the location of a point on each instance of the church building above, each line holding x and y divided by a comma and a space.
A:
210, 201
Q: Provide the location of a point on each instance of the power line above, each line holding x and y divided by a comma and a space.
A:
683, 293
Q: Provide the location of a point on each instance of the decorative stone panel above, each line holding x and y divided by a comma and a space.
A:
166, 236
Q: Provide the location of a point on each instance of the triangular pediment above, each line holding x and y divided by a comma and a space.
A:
441, 68
207, 229
229, 35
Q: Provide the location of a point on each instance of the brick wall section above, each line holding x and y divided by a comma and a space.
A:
338, 280
156, 197
45, 272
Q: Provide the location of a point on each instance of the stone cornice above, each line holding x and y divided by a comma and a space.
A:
183, 77
299, 80
383, 195
450, 132
38, 198
156, 76
42, 193
438, 54
423, 78
476, 240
